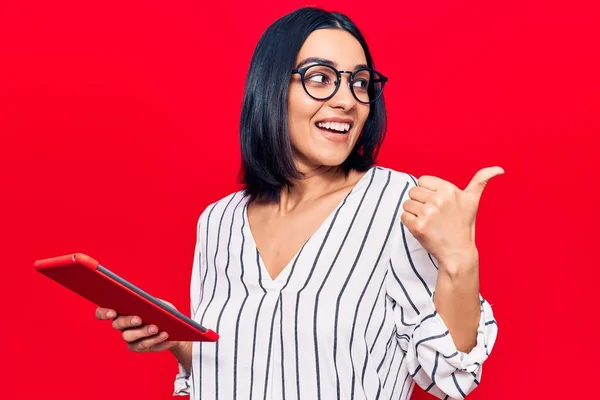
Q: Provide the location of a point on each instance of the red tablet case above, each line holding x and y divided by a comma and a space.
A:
86, 277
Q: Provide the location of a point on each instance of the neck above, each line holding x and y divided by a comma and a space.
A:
315, 183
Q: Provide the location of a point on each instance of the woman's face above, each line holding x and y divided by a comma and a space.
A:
314, 125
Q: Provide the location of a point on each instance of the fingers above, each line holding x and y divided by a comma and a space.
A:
119, 322
153, 343
410, 221
105, 313
432, 183
416, 208
139, 338
134, 334
126, 322
421, 194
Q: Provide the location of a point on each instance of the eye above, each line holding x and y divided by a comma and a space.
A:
361, 84
318, 78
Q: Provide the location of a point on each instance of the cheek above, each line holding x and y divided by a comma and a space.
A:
301, 110
363, 114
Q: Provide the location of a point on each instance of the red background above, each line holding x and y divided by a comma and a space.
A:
118, 125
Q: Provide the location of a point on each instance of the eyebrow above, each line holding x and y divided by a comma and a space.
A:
319, 60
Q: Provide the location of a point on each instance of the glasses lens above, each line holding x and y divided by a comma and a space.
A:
320, 81
367, 85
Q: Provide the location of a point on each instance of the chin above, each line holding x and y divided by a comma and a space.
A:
330, 160
318, 155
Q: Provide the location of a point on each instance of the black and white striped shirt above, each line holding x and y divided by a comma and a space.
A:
350, 317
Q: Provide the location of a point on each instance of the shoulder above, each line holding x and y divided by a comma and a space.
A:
398, 192
395, 180
219, 208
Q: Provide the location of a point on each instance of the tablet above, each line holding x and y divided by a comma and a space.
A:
86, 277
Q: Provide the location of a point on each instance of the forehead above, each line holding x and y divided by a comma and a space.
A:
336, 45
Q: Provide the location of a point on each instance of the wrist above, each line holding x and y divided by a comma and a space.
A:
179, 349
463, 263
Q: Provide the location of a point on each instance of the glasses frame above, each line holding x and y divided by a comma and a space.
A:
302, 71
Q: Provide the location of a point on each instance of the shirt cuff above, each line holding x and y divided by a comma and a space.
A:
182, 384
433, 327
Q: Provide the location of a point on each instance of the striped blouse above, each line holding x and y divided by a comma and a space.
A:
350, 317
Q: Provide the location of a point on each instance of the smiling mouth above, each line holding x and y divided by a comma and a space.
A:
334, 127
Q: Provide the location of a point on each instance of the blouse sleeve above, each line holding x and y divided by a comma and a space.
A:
183, 381
432, 358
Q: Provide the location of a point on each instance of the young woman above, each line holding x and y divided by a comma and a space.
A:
328, 277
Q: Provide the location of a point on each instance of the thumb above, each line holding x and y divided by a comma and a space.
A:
481, 178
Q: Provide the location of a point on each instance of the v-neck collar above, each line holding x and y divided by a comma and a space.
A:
279, 280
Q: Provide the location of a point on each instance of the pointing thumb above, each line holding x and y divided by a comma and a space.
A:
481, 178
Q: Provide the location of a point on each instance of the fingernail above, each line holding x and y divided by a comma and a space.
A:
136, 321
111, 314
164, 335
153, 329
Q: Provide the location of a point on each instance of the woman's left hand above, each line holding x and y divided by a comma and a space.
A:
442, 217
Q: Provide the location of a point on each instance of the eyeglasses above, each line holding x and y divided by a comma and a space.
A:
322, 81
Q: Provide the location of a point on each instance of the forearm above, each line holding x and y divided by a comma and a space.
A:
183, 352
457, 301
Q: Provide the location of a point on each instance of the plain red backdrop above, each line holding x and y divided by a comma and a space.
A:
118, 125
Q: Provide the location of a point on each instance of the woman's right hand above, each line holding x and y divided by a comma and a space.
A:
139, 337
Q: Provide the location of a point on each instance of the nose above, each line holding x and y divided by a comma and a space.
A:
343, 98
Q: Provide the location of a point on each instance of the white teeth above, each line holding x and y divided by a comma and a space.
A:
336, 126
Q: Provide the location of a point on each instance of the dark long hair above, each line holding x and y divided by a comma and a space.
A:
267, 158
